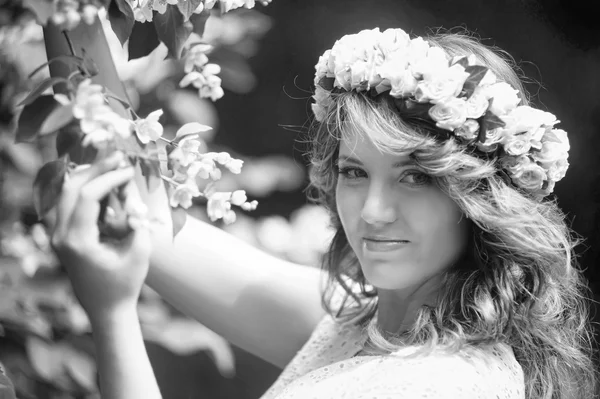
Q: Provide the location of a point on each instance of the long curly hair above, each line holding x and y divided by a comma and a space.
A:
518, 282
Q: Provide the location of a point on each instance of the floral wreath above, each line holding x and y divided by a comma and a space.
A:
462, 97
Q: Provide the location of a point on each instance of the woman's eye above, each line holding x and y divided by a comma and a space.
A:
416, 178
351, 173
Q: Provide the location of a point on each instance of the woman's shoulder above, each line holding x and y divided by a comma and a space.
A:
471, 372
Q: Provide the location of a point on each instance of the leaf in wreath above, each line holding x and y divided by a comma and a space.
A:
59, 117
48, 186
120, 15
33, 116
68, 137
43, 9
178, 216
476, 74
41, 88
188, 7
172, 30
199, 22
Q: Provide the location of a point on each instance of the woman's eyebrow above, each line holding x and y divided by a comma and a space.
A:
399, 164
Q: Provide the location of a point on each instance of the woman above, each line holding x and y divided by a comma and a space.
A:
449, 275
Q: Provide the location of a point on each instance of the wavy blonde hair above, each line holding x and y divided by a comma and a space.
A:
518, 282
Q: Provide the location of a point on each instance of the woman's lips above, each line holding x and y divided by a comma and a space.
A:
383, 245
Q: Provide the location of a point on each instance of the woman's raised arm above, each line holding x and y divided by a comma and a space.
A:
258, 302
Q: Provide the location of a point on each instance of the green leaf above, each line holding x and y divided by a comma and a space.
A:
112, 95
199, 22
43, 9
488, 122
188, 7
464, 61
143, 40
68, 138
121, 19
65, 59
326, 83
48, 186
151, 167
172, 30
89, 65
59, 117
41, 88
549, 135
33, 117
476, 74
178, 216
191, 128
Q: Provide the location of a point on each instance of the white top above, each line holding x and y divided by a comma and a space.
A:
325, 369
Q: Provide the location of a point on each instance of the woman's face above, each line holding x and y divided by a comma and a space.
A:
403, 229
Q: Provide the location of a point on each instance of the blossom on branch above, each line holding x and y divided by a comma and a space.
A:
149, 129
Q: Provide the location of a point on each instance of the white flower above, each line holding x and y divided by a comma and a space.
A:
88, 99
149, 129
196, 57
195, 78
321, 67
97, 137
201, 169
442, 85
223, 158
229, 217
403, 84
468, 131
435, 61
182, 195
517, 145
477, 104
160, 6
555, 146
558, 169
514, 165
238, 197
525, 118
249, 206
218, 204
530, 177
449, 114
319, 112
394, 41
235, 166
417, 50
488, 79
504, 97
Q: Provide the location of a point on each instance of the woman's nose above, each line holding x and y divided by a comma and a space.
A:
379, 206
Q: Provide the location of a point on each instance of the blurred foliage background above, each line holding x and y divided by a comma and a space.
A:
267, 58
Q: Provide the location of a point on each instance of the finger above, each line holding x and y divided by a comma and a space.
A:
83, 221
72, 185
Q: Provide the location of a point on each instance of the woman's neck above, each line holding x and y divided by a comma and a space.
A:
397, 313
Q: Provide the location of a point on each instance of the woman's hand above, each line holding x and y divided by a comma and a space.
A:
107, 274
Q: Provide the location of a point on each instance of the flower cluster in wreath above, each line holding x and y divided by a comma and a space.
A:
464, 100
101, 127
